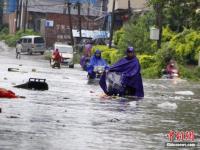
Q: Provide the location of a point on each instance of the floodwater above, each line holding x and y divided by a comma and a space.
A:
72, 116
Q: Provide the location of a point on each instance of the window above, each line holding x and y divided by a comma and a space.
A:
29, 40
38, 40
25, 40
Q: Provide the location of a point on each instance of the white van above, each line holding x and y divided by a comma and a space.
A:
66, 52
32, 44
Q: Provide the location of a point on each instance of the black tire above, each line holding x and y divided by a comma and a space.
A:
13, 69
42, 53
29, 52
71, 66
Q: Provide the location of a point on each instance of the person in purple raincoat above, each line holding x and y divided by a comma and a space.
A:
130, 78
86, 55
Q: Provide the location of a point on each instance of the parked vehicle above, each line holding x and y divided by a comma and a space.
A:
66, 52
31, 44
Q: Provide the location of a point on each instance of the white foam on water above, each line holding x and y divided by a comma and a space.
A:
184, 93
178, 97
169, 121
167, 105
133, 103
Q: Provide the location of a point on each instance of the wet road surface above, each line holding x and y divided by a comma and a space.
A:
72, 116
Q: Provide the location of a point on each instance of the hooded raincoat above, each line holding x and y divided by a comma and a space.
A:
129, 69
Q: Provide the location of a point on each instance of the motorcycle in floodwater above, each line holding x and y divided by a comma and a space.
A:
172, 75
115, 88
54, 63
97, 73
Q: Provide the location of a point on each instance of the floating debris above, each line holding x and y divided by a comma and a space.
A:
13, 69
33, 70
168, 105
114, 120
34, 84
184, 93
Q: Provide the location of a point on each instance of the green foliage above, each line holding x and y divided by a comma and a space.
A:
179, 14
189, 72
114, 57
167, 34
146, 61
151, 72
164, 55
117, 36
186, 46
4, 30
110, 55
11, 39
47, 55
136, 34
183, 47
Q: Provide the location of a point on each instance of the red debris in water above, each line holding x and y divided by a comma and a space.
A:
7, 93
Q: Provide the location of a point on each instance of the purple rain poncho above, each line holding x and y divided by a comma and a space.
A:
130, 77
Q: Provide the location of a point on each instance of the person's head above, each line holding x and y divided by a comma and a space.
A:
97, 53
130, 52
172, 63
56, 50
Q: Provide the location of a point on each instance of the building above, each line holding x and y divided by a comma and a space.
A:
135, 5
51, 19
9, 14
125, 8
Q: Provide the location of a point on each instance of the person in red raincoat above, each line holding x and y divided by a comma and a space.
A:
172, 69
56, 56
7, 93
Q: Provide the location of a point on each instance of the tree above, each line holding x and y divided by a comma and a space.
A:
136, 33
179, 13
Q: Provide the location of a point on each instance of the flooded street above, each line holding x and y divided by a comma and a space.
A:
72, 116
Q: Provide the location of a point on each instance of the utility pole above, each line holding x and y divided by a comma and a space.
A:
1, 12
20, 14
70, 23
158, 9
65, 7
112, 24
129, 9
25, 16
79, 21
88, 13
17, 17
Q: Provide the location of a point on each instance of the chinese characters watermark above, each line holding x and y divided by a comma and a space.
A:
181, 139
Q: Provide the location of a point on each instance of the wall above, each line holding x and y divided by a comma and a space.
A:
11, 6
123, 4
12, 24
60, 32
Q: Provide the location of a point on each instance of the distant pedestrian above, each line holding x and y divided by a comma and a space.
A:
18, 50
